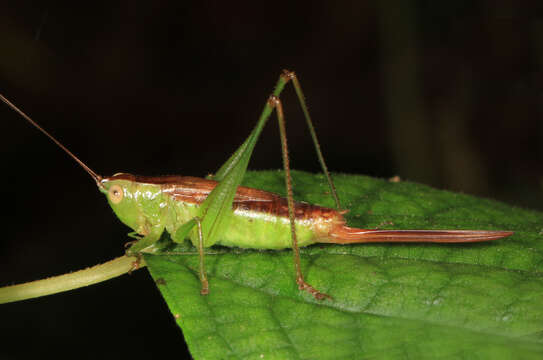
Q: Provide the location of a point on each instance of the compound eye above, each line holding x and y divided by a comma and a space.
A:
116, 194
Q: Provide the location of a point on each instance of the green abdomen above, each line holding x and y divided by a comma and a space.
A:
252, 229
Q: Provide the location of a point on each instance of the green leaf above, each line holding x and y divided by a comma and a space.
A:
482, 300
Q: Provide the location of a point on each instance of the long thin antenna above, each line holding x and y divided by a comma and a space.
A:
95, 176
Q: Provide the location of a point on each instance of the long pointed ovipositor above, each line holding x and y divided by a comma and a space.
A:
346, 235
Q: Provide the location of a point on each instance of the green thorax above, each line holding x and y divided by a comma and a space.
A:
140, 206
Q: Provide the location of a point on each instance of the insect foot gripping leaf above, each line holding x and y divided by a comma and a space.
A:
477, 300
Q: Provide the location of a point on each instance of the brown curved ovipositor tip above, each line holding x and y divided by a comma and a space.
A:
347, 235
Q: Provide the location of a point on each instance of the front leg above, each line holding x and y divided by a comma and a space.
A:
133, 235
142, 242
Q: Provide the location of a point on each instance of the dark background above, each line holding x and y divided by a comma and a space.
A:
445, 93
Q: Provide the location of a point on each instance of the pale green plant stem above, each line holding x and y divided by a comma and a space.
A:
77, 279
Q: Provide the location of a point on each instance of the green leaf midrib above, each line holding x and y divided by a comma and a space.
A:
537, 268
304, 251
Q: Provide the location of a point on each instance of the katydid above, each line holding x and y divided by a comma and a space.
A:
219, 211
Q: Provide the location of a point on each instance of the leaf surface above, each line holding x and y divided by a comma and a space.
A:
482, 300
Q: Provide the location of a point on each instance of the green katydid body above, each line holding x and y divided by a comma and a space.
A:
259, 219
